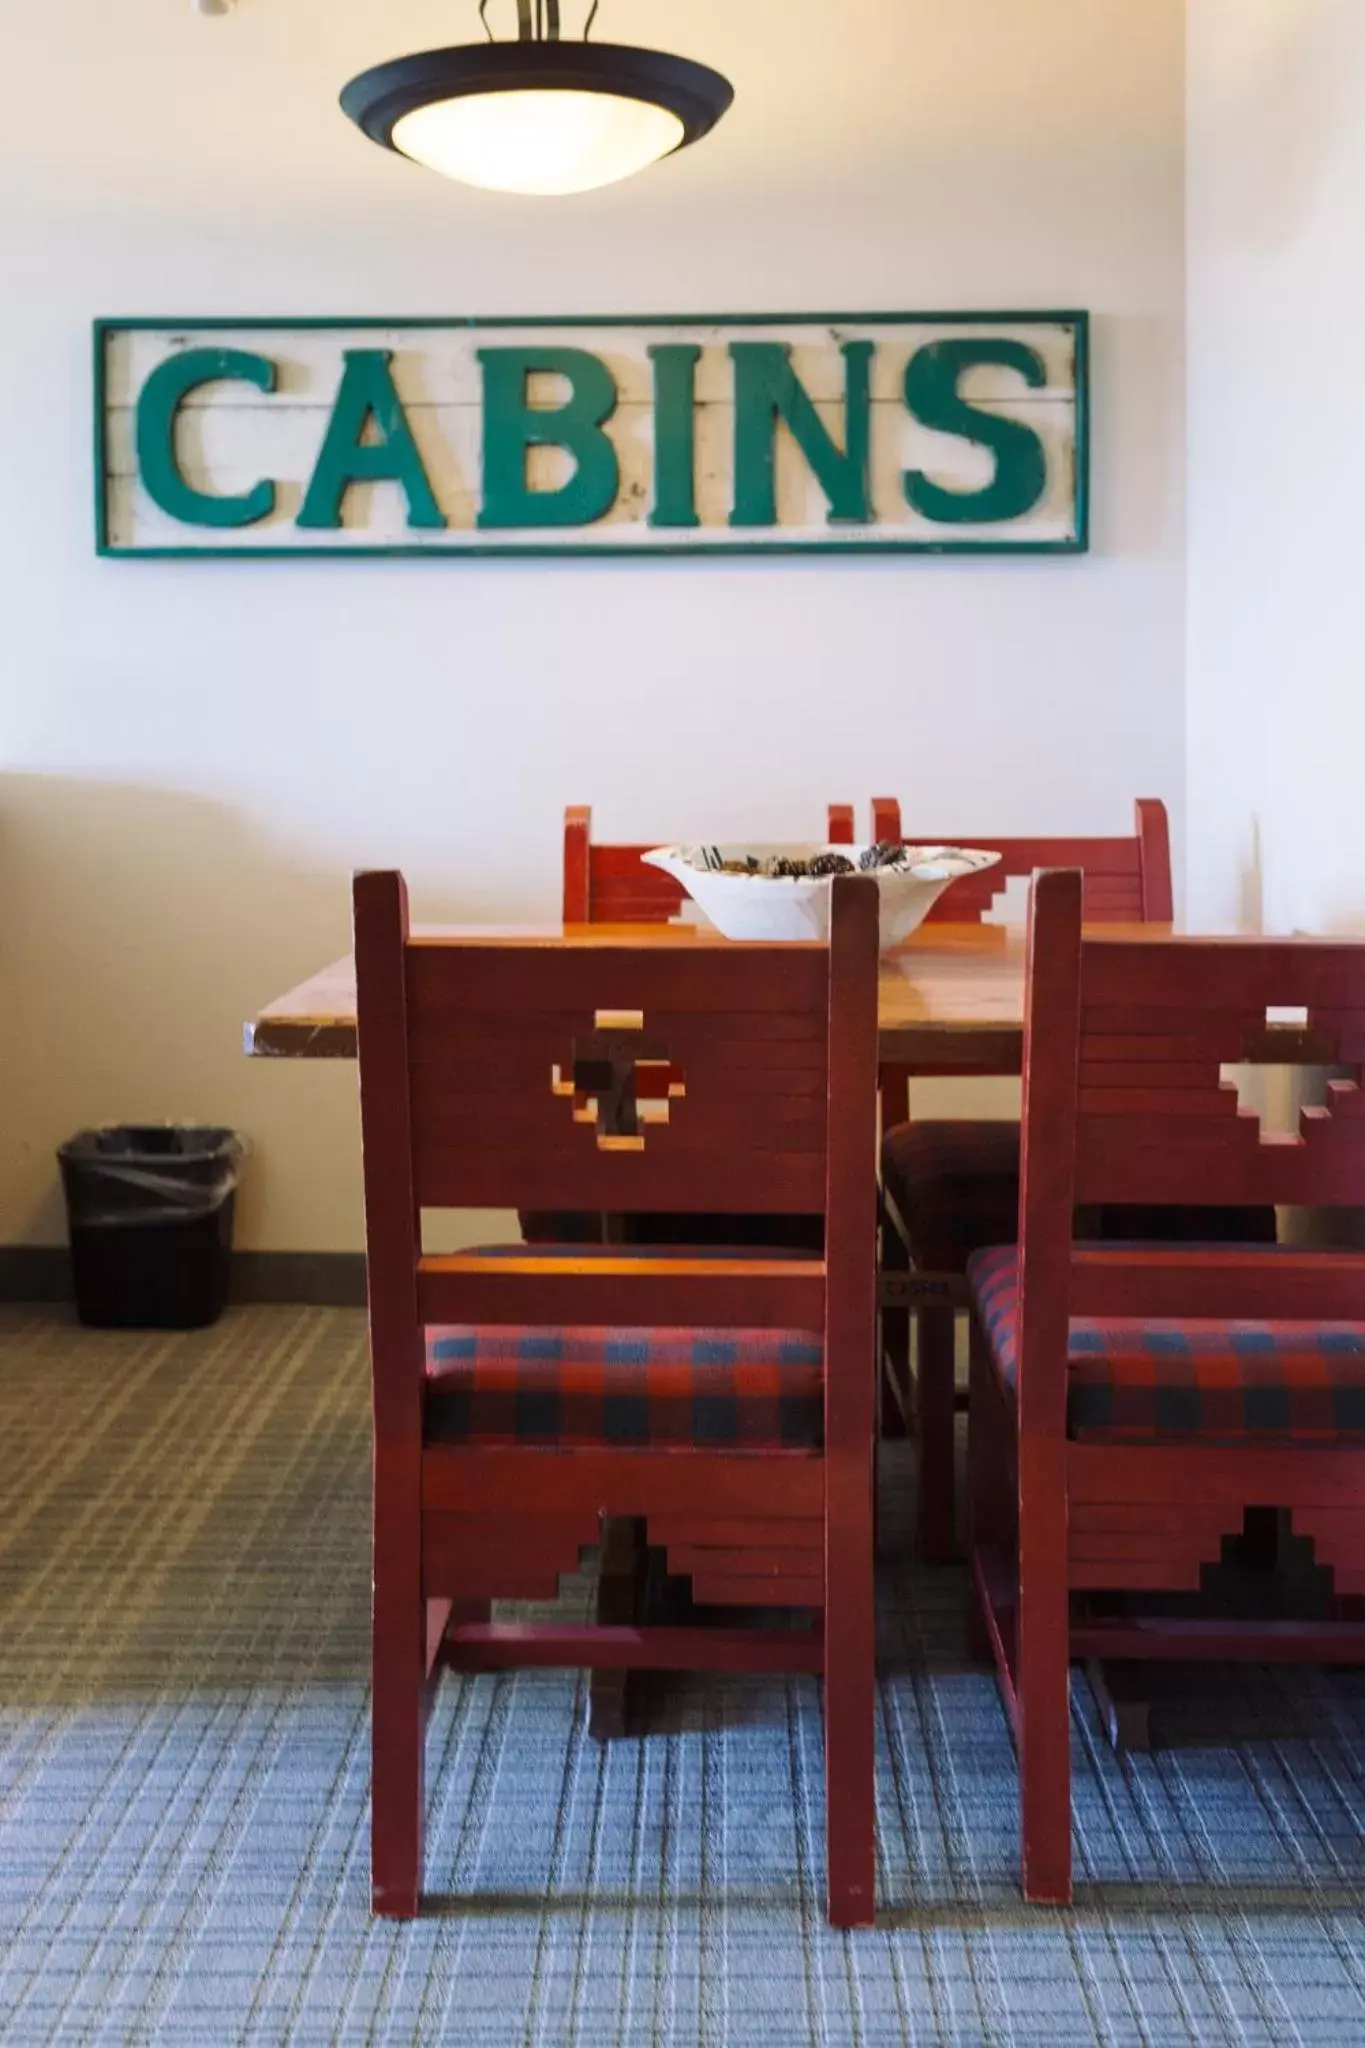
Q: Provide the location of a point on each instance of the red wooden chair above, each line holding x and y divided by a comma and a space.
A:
520, 1397
1127, 880
949, 1187
608, 884
611, 884
1129, 1404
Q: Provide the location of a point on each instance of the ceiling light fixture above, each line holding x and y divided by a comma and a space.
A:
541, 114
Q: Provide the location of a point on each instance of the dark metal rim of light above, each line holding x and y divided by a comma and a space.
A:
378, 99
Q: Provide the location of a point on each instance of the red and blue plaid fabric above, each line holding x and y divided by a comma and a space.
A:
1138, 1379
500, 1383
708, 1389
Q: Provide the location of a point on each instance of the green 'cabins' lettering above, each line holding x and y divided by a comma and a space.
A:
675, 433
931, 393
512, 426
767, 390
778, 399
367, 402
158, 412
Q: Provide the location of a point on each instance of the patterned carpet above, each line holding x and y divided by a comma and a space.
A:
183, 1783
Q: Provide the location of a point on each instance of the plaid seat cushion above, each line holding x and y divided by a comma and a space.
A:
646, 1388
1139, 1380
956, 1186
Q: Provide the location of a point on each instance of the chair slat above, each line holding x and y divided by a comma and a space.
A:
665, 1482
763, 1042
1179, 1473
716, 1588
765, 1122
702, 1532
1186, 1100
637, 1293
470, 980
1168, 1281
505, 1645
1227, 1164
1119, 1073
622, 1183
1218, 976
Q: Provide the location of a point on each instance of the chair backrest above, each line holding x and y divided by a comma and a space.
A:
554, 1074
611, 884
1124, 1102
1127, 881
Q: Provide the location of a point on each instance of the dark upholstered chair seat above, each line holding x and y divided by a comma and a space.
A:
507, 1384
956, 1186
786, 1233
1139, 1379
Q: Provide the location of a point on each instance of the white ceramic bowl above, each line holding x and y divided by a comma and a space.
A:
797, 907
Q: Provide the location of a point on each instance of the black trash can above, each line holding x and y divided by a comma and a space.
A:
150, 1211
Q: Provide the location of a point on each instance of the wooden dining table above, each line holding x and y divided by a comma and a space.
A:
951, 997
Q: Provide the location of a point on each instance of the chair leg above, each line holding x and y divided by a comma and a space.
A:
982, 1490
1042, 1680
850, 1705
398, 1713
936, 1436
893, 1348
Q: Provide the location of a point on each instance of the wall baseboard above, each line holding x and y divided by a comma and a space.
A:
323, 1279
42, 1272
35, 1272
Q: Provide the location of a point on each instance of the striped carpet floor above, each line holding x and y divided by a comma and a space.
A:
183, 1784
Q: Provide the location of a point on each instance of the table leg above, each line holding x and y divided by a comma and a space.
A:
620, 1579
1118, 1692
936, 1433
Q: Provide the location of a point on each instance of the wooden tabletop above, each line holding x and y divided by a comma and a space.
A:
951, 1000
951, 995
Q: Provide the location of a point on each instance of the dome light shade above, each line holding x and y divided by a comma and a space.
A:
541, 142
537, 116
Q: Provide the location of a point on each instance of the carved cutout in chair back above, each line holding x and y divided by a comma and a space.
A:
619, 1078
1160, 1019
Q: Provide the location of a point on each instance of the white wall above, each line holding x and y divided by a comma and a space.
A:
1276, 832
195, 756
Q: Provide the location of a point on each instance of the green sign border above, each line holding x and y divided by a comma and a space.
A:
696, 551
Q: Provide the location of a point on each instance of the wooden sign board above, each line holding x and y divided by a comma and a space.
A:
879, 432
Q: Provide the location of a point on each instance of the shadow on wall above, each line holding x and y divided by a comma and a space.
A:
1299, 92
139, 927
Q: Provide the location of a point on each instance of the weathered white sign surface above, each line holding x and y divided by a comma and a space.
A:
919, 432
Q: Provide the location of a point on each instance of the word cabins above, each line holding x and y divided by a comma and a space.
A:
912, 432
